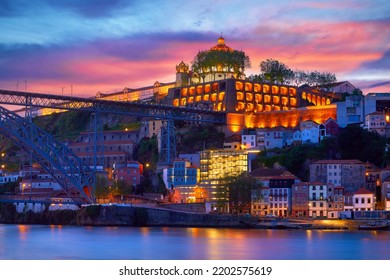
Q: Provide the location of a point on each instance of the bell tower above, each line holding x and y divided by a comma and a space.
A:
182, 74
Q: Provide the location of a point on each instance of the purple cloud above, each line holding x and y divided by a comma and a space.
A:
382, 63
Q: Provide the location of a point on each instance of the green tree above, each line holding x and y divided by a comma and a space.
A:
239, 189
358, 143
211, 62
121, 187
101, 190
276, 72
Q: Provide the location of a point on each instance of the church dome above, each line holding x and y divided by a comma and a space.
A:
221, 46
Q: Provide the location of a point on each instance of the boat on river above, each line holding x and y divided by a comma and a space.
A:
375, 225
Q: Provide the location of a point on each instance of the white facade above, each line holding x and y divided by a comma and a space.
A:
363, 202
310, 135
279, 201
376, 122
248, 141
318, 197
351, 111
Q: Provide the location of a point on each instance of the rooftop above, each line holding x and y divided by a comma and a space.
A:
339, 161
363, 191
268, 172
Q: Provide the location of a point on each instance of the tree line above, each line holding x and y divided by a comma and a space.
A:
276, 72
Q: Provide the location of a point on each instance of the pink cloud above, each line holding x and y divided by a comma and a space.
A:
323, 46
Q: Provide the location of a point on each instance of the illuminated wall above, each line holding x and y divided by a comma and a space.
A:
158, 89
242, 96
258, 97
291, 118
215, 165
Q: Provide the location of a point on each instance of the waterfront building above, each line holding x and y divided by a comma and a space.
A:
363, 200
214, 166
130, 172
348, 202
318, 199
263, 175
373, 183
335, 201
117, 146
280, 195
386, 194
260, 201
300, 199
182, 180
347, 173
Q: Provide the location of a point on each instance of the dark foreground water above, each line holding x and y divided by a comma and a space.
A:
117, 243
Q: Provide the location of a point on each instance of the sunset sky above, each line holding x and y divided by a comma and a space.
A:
99, 45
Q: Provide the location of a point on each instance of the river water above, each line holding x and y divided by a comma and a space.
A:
36, 242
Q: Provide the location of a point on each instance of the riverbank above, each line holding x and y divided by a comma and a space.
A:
136, 216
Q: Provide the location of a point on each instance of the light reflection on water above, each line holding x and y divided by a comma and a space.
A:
66, 242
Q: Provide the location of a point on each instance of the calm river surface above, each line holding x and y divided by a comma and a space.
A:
116, 243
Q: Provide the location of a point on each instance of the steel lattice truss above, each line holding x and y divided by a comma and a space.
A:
63, 165
136, 108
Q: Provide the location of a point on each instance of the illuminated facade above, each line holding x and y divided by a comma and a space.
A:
217, 164
182, 179
158, 91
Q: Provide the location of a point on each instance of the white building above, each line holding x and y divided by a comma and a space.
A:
363, 200
339, 87
248, 139
351, 111
318, 199
270, 138
309, 132
376, 122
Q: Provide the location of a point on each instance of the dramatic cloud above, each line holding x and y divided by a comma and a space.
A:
99, 45
382, 63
